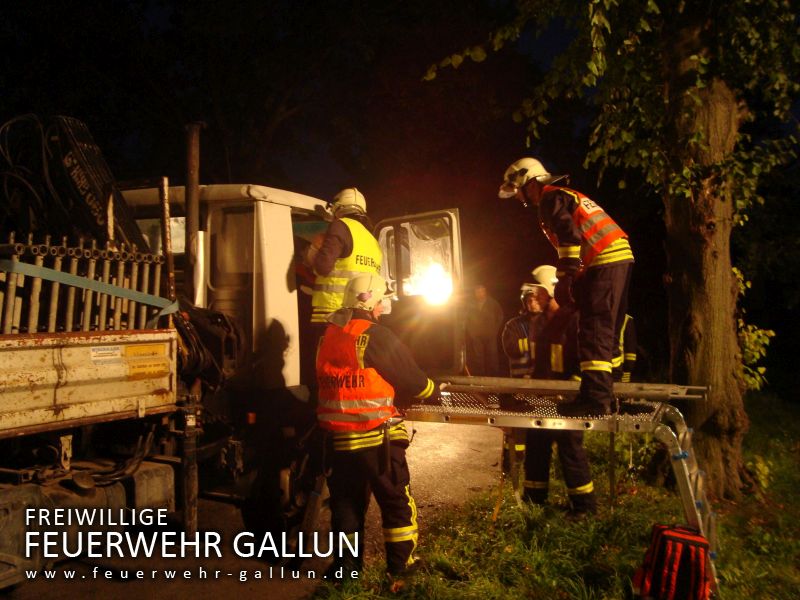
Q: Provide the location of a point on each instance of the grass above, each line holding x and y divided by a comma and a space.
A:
531, 552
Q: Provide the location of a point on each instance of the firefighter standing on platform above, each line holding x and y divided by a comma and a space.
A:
360, 367
542, 343
594, 262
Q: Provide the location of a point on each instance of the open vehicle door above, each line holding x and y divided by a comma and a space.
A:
422, 264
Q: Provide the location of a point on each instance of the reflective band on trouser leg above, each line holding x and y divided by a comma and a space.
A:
584, 489
536, 485
596, 365
516, 447
401, 542
535, 491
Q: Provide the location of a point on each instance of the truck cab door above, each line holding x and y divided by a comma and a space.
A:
422, 265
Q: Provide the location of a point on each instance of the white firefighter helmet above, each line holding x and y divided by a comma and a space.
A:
521, 172
525, 290
364, 291
545, 277
347, 202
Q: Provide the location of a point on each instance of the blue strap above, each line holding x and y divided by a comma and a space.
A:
167, 306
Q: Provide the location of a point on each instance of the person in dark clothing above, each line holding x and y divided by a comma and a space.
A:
542, 343
594, 263
360, 367
484, 319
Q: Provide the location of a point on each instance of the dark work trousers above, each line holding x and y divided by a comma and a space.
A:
353, 475
485, 356
602, 296
574, 464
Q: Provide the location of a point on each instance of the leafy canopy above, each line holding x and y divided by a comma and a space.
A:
619, 57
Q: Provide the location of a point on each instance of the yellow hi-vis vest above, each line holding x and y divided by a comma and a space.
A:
366, 257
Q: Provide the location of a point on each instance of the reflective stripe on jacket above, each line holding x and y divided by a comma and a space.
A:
602, 241
366, 257
351, 396
518, 346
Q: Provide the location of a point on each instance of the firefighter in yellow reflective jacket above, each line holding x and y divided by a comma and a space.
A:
594, 263
348, 249
542, 343
361, 366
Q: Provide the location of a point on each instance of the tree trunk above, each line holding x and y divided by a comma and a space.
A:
702, 293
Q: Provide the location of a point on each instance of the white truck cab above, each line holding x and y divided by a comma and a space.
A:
248, 242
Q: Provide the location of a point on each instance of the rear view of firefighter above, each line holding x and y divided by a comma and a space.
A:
361, 366
547, 346
347, 250
594, 263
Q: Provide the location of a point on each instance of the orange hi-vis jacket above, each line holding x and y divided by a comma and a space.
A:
351, 397
580, 230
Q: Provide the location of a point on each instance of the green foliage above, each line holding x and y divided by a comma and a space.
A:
649, 69
761, 470
753, 342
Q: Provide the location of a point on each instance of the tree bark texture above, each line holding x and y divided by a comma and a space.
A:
701, 286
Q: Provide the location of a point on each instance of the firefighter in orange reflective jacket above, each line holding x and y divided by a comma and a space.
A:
594, 254
360, 367
542, 343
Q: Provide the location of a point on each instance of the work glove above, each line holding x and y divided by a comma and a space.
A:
563, 290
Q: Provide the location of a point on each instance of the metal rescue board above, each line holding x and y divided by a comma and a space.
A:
53, 381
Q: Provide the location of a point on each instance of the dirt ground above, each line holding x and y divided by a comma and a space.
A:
448, 463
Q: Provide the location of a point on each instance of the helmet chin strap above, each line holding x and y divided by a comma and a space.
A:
525, 200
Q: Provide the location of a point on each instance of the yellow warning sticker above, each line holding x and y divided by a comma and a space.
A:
145, 350
144, 369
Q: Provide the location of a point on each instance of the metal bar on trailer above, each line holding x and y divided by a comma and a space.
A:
11, 290
74, 254
88, 302
39, 252
107, 256
58, 253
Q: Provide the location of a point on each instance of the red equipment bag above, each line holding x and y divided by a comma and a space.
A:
675, 566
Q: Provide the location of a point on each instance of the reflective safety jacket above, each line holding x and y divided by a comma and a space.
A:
351, 397
365, 257
581, 231
359, 369
518, 344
